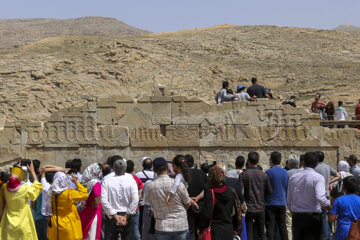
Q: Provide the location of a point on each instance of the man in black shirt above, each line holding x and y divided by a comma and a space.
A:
197, 184
291, 102
257, 90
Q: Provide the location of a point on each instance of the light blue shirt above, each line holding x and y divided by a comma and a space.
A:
306, 192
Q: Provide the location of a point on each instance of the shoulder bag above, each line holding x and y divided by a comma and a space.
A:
354, 232
206, 233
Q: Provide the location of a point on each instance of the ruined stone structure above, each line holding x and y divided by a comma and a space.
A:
163, 125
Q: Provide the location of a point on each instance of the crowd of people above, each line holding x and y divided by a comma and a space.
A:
256, 91
176, 200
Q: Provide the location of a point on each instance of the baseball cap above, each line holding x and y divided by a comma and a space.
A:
240, 87
159, 163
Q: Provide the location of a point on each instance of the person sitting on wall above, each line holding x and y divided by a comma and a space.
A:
257, 90
223, 95
291, 102
241, 95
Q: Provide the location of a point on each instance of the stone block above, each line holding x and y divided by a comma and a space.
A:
113, 136
161, 113
147, 137
182, 135
185, 112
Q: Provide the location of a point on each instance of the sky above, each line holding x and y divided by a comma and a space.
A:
173, 15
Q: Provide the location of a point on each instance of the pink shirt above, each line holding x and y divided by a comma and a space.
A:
88, 214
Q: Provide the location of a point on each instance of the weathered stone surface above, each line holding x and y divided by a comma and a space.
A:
165, 126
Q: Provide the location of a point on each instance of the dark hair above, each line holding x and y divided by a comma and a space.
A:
4, 177
302, 158
340, 103
292, 97
106, 169
112, 159
253, 80
350, 185
189, 160
321, 156
205, 167
161, 169
180, 161
275, 158
253, 158
318, 94
68, 163
49, 176
76, 164
225, 84
229, 91
353, 159
259, 167
130, 166
239, 162
25, 162
311, 159
36, 163
147, 164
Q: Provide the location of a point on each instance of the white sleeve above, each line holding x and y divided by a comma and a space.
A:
105, 199
134, 198
45, 184
176, 184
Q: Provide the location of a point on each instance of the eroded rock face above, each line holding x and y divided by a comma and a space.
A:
163, 125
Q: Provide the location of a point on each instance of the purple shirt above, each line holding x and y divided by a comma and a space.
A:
306, 192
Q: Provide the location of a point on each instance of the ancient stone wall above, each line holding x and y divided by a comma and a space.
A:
163, 125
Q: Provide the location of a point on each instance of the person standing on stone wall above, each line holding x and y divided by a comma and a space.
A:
317, 104
306, 196
256, 185
340, 113
223, 95
256, 90
275, 204
357, 112
326, 171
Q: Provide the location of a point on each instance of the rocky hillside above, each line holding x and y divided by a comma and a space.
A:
55, 73
348, 28
16, 32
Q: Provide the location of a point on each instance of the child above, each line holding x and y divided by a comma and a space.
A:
182, 169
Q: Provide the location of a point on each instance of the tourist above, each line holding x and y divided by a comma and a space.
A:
205, 168
357, 112
75, 166
317, 104
242, 95
337, 182
340, 113
197, 184
182, 170
120, 198
4, 176
110, 161
291, 102
239, 164
16, 219
170, 219
146, 176
275, 203
134, 224
106, 169
255, 185
321, 112
91, 215
293, 164
326, 171
220, 201
330, 111
346, 209
65, 221
256, 90
223, 96
354, 168
306, 196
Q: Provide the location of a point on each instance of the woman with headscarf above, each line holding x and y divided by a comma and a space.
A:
17, 221
65, 221
226, 213
91, 215
337, 182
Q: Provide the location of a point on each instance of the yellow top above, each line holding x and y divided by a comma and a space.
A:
17, 221
69, 220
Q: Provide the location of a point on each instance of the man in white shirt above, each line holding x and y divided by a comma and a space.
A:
119, 197
111, 160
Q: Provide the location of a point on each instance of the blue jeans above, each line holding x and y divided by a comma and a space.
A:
325, 230
171, 235
134, 225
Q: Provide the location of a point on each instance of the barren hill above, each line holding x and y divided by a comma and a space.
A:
348, 28
55, 73
15, 32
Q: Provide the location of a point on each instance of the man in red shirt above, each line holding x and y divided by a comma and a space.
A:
135, 223
317, 104
357, 112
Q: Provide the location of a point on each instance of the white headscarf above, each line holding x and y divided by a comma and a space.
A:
343, 168
61, 182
